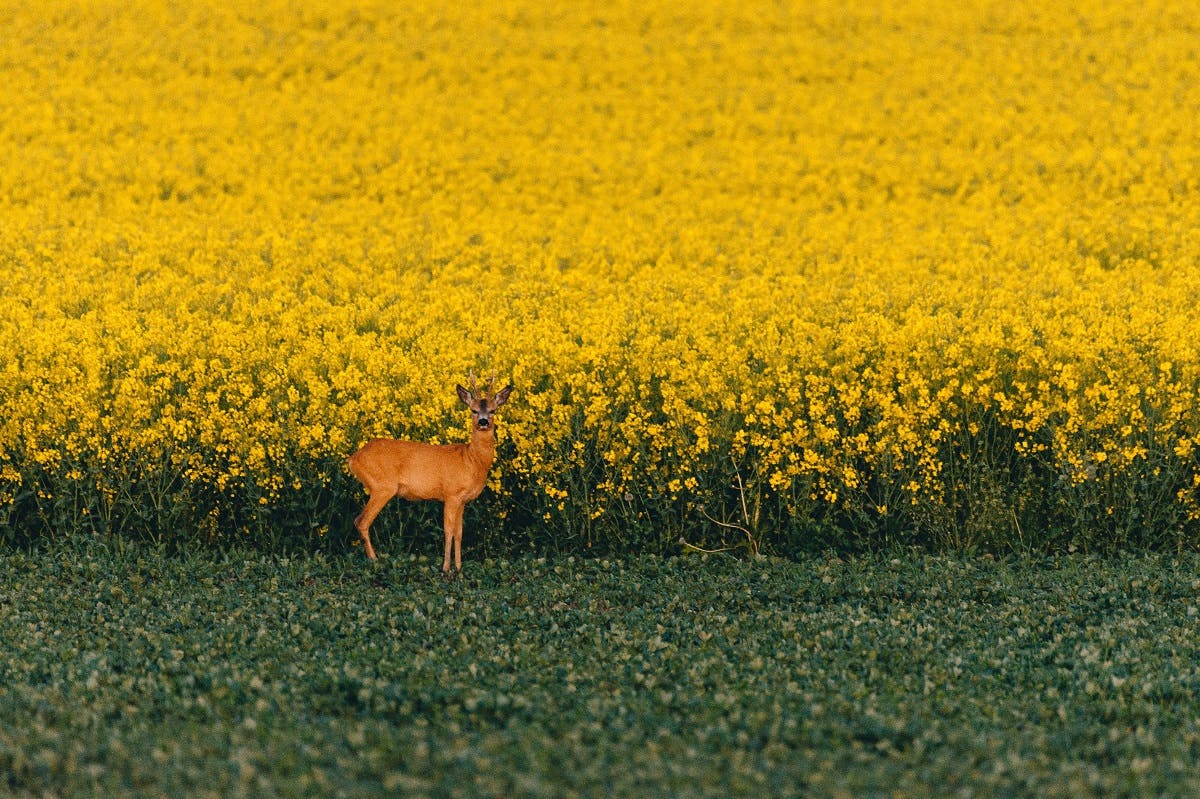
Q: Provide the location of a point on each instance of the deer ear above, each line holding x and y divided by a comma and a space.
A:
464, 395
502, 395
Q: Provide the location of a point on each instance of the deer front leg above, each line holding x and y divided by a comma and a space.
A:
458, 543
452, 514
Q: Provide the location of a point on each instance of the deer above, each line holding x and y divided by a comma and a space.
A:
451, 473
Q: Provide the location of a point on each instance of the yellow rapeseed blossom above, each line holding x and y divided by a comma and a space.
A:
853, 264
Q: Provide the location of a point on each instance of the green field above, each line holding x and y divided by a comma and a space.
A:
237, 674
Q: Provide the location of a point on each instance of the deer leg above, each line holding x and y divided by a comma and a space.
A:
452, 521
363, 521
458, 544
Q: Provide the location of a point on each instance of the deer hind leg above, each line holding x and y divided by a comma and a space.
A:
362, 523
452, 514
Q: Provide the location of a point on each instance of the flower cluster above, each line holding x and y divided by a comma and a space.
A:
931, 267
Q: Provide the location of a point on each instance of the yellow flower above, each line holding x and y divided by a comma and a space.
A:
693, 245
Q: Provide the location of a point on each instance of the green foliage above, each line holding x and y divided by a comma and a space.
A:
203, 674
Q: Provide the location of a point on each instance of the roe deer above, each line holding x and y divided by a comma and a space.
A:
452, 473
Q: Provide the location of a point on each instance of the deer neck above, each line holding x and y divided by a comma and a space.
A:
482, 448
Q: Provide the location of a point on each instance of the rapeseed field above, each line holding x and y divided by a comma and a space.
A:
766, 274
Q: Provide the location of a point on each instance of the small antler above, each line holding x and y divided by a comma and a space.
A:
471, 374
491, 382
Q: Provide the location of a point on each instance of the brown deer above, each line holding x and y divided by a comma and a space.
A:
452, 473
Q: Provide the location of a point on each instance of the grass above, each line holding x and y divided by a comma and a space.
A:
239, 674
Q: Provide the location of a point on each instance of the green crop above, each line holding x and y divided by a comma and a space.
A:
236, 674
